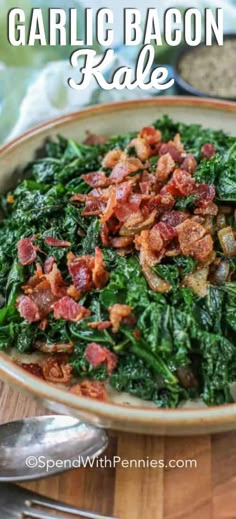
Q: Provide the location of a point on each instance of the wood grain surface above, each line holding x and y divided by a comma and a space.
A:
205, 492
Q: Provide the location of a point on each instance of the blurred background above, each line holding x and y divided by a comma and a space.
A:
33, 80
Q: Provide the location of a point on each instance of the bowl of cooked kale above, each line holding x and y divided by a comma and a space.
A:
118, 265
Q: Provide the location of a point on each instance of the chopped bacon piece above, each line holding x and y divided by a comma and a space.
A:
174, 218
53, 242
97, 179
121, 241
54, 348
142, 148
155, 240
26, 251
189, 164
99, 274
166, 230
163, 202
111, 158
203, 248
43, 297
66, 308
124, 211
95, 354
174, 148
72, 292
165, 167
27, 309
183, 182
189, 233
32, 368
123, 168
210, 209
208, 150
111, 205
117, 312
99, 325
136, 223
55, 369
90, 388
150, 135
48, 264
92, 139
58, 286
205, 194
123, 191
81, 273
104, 233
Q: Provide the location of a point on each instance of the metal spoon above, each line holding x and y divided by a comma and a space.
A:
37, 447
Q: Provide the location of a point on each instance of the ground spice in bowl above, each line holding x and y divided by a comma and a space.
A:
210, 70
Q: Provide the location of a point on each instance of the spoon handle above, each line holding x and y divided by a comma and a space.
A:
58, 507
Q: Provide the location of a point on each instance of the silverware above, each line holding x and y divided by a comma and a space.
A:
18, 503
37, 447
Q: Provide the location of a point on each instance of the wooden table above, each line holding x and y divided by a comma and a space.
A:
205, 492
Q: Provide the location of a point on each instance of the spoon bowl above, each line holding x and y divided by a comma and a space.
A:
37, 447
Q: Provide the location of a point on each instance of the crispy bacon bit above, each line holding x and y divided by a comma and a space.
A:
92, 139
189, 164
203, 248
72, 292
90, 388
208, 150
183, 182
56, 370
121, 242
155, 240
66, 308
189, 232
54, 348
136, 223
166, 230
117, 312
165, 167
174, 218
28, 309
210, 209
32, 368
142, 148
96, 355
53, 242
111, 158
48, 264
26, 251
99, 274
174, 148
123, 168
100, 325
104, 233
43, 297
57, 284
150, 135
81, 273
111, 204
97, 179
162, 202
205, 194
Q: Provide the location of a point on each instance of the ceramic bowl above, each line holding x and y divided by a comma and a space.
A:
108, 120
